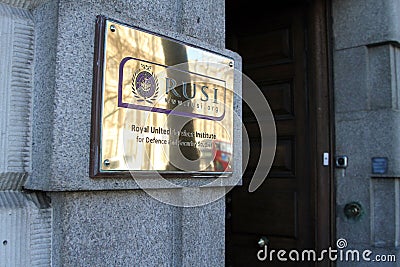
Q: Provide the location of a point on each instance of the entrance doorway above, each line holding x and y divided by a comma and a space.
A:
285, 51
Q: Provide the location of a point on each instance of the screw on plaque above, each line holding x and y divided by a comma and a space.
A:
106, 162
112, 28
231, 64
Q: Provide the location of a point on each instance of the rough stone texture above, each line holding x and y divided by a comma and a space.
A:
94, 224
203, 233
129, 228
368, 134
361, 136
25, 4
384, 77
25, 226
351, 79
198, 17
386, 211
380, 72
43, 95
25, 219
63, 103
353, 189
364, 22
366, 75
12, 181
16, 57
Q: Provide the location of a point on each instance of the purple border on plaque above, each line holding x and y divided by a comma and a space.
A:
162, 110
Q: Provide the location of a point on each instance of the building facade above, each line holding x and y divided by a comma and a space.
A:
329, 70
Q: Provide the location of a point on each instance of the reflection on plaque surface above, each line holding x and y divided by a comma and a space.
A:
164, 105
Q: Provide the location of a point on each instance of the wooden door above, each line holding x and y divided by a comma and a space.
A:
274, 48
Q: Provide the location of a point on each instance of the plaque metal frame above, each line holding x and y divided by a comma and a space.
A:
95, 170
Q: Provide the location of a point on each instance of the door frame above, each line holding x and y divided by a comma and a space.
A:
322, 125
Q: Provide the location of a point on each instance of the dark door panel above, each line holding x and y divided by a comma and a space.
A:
274, 55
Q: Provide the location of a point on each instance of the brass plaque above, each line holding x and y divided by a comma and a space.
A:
164, 105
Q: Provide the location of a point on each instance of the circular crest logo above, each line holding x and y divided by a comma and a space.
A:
145, 86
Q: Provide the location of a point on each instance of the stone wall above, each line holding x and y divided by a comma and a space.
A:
71, 219
366, 85
25, 218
